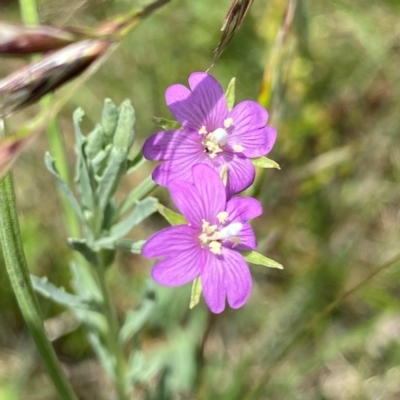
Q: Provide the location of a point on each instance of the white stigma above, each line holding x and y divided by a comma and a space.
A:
220, 136
231, 230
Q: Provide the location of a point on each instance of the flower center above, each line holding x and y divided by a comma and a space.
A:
213, 141
212, 235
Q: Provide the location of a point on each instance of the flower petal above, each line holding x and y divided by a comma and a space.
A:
243, 208
249, 131
248, 115
208, 94
247, 237
226, 275
179, 269
241, 174
189, 202
212, 281
169, 241
166, 145
178, 168
237, 278
211, 190
204, 106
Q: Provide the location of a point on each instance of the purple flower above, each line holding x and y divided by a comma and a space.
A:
207, 246
211, 134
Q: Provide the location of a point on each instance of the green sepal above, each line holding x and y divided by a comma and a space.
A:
258, 259
264, 162
50, 163
82, 247
195, 295
230, 94
60, 296
167, 124
171, 216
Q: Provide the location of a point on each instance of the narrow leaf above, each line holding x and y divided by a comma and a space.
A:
264, 162
135, 320
109, 118
82, 171
64, 189
143, 210
171, 216
258, 259
81, 246
108, 182
59, 295
130, 246
197, 289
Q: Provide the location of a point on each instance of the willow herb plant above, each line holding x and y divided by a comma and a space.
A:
207, 161
208, 157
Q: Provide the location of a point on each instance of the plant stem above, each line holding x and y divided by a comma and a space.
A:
114, 345
18, 273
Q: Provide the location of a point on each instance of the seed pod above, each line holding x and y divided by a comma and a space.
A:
22, 40
30, 83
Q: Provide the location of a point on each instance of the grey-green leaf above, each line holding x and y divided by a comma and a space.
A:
82, 247
136, 319
59, 295
82, 173
109, 118
94, 142
108, 182
124, 134
142, 210
258, 259
64, 189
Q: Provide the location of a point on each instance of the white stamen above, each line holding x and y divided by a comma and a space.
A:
238, 148
228, 122
203, 130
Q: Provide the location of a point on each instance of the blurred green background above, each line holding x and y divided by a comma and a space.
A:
332, 213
